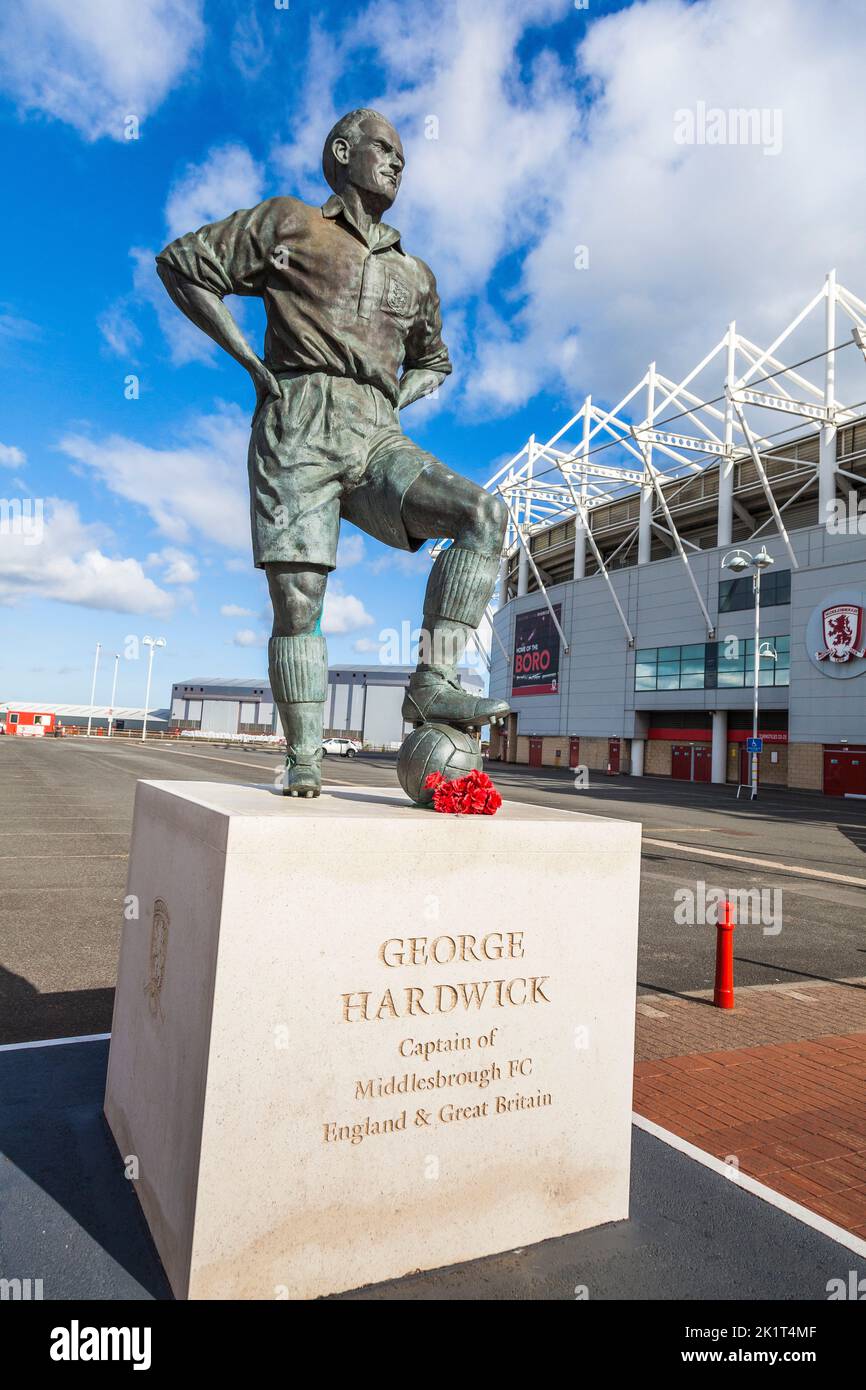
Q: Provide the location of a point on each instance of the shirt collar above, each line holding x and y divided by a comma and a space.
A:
388, 236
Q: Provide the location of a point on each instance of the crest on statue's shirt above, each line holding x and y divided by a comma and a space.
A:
842, 626
398, 295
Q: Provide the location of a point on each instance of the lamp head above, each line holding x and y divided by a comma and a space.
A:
762, 560
737, 562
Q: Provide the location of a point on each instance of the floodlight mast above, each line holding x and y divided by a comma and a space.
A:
152, 643
739, 560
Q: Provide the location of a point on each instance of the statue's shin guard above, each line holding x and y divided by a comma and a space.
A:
460, 584
298, 671
458, 591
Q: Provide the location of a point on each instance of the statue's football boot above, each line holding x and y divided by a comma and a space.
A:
303, 775
435, 698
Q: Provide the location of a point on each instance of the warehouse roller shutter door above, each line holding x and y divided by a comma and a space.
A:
219, 716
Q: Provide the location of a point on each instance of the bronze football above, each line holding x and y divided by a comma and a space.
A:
435, 748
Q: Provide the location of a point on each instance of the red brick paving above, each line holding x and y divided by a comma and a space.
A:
778, 1084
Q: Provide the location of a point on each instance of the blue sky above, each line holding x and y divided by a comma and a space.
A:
553, 129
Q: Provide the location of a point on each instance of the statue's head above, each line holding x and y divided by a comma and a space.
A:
364, 150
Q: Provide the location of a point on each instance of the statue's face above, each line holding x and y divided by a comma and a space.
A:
375, 161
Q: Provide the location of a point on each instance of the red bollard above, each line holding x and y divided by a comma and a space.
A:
723, 994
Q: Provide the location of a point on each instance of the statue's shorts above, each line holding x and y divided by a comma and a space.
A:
329, 447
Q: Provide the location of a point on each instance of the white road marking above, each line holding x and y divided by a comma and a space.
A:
236, 762
802, 871
750, 1184
54, 1042
22, 858
759, 863
649, 1012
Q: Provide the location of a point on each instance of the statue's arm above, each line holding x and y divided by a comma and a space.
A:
207, 311
427, 362
418, 382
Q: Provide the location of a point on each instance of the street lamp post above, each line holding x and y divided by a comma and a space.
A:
113, 693
152, 643
93, 687
738, 561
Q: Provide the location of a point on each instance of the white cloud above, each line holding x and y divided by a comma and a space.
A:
177, 566
299, 160
682, 239
248, 50
366, 644
13, 328
234, 610
198, 487
11, 456
94, 62
120, 332
228, 178
350, 550
246, 637
411, 563
537, 157
186, 343
343, 612
69, 564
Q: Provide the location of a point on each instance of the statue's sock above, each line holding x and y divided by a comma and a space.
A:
298, 671
298, 668
458, 591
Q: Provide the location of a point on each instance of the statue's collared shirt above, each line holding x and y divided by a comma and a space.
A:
333, 302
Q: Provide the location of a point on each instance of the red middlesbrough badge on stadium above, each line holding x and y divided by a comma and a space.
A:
843, 631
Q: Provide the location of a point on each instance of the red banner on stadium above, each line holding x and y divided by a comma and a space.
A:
536, 653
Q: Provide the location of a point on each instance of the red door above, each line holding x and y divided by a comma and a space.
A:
613, 754
844, 771
535, 752
574, 752
681, 762
702, 762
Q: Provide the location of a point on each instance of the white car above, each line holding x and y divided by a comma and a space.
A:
344, 747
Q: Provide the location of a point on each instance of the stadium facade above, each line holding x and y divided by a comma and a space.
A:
622, 640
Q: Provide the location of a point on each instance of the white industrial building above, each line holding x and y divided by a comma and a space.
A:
123, 718
363, 702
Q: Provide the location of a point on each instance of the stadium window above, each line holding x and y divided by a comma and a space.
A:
737, 670
646, 669
670, 668
737, 595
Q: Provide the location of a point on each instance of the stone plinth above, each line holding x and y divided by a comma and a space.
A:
353, 1038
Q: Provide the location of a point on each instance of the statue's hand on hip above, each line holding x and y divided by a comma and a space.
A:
266, 384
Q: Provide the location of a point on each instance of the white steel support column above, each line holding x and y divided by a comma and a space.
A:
726, 465
638, 746
525, 517
827, 446
579, 528
719, 757
579, 547
644, 529
503, 580
523, 571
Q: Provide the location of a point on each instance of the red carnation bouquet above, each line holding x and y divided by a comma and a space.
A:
472, 795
